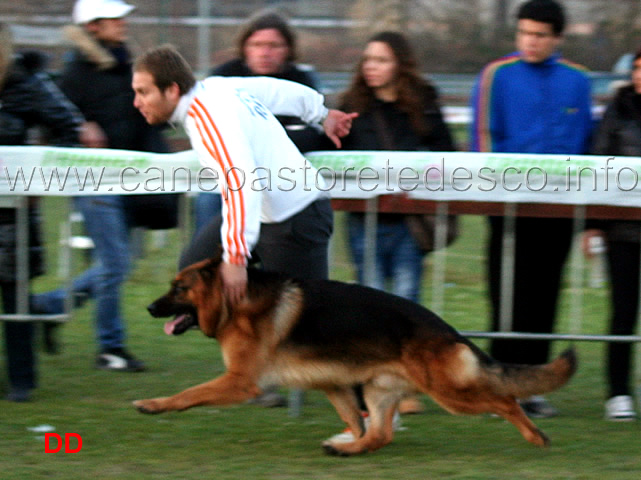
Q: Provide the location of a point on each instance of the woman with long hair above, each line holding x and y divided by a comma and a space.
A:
398, 110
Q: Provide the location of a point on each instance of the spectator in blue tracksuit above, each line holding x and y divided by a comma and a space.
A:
532, 101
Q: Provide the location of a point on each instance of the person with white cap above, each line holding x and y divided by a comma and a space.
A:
97, 79
87, 11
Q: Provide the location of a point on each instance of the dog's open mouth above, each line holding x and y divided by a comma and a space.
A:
180, 324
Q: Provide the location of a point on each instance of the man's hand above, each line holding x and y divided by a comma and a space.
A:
588, 240
92, 136
234, 282
337, 125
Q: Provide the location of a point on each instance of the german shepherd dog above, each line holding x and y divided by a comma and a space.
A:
331, 336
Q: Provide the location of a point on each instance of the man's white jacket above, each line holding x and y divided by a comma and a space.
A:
263, 177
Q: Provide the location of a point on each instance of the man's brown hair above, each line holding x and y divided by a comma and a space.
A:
167, 66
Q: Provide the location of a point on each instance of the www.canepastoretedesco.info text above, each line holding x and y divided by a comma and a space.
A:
384, 179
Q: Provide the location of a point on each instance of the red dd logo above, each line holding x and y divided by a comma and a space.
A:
58, 439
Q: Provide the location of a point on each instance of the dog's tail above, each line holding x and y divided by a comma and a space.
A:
523, 381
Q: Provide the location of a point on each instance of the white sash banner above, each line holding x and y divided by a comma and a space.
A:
440, 176
58, 171
483, 177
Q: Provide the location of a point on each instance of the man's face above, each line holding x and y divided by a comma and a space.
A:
536, 41
111, 31
266, 52
155, 105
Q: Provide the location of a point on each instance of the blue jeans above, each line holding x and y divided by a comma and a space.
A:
206, 207
106, 223
398, 258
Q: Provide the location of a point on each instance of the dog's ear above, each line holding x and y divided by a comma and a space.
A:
209, 268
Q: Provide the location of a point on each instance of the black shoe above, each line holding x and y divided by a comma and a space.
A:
19, 395
538, 407
118, 360
269, 399
50, 337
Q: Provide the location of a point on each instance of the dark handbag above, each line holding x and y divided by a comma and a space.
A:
153, 211
423, 230
422, 227
12, 128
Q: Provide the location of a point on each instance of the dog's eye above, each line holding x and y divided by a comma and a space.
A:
179, 289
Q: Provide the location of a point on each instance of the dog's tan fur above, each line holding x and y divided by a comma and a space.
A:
261, 345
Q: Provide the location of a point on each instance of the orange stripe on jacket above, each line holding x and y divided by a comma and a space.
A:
213, 142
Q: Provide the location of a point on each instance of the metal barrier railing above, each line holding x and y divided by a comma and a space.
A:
20, 204
403, 204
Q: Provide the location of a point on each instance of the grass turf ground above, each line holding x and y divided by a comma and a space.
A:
240, 442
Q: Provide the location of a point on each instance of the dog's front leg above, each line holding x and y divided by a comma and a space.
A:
227, 389
346, 404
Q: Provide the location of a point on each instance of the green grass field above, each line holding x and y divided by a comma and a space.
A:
242, 442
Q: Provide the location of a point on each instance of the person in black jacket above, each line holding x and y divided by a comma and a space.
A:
398, 110
619, 134
97, 79
26, 100
266, 46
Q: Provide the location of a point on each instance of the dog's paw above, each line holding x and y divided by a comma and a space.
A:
151, 406
330, 449
339, 450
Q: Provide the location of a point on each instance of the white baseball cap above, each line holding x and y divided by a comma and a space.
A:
85, 11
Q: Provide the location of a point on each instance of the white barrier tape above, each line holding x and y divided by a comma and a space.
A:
443, 176
79, 171
483, 177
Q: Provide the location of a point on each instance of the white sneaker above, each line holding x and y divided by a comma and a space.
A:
346, 436
620, 409
397, 424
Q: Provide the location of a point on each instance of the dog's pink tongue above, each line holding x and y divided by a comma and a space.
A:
171, 324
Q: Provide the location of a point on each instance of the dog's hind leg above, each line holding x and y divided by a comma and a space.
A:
381, 404
455, 382
477, 402
474, 401
514, 414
